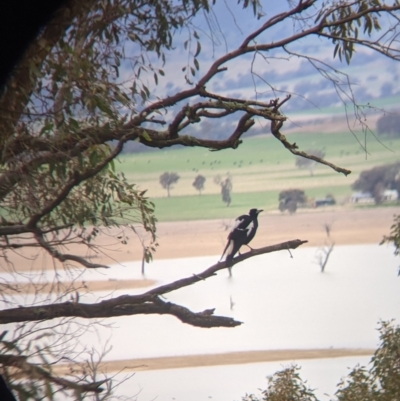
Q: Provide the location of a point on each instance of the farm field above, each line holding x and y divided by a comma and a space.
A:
260, 168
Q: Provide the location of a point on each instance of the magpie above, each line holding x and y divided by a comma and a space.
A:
242, 233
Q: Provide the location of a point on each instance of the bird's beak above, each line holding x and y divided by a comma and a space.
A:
259, 211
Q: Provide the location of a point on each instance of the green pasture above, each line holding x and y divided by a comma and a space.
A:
260, 168
204, 207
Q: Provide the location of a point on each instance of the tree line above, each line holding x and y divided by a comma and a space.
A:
374, 181
168, 179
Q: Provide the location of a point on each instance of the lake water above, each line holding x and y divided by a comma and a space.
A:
232, 382
283, 303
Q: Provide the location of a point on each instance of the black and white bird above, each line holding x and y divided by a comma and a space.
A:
242, 233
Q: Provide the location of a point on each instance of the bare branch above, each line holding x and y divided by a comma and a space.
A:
301, 6
63, 257
292, 147
211, 271
34, 371
146, 303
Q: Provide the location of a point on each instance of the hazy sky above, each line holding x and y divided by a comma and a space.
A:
274, 74
373, 76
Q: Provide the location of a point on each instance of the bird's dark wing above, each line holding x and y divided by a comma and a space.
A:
236, 239
240, 223
243, 221
237, 236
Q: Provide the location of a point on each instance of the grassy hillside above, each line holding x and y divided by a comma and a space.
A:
260, 169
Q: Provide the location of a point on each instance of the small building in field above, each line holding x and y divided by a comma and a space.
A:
362, 197
390, 195
324, 202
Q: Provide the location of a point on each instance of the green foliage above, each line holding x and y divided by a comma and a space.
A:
285, 385
82, 71
357, 386
394, 236
55, 166
381, 382
101, 200
345, 35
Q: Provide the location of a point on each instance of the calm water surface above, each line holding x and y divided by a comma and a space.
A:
283, 303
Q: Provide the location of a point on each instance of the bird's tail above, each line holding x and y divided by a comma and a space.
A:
227, 251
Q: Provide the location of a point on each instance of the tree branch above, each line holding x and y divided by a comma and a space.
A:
63, 257
35, 371
211, 271
292, 147
147, 303
301, 6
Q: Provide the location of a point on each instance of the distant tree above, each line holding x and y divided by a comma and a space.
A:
198, 183
226, 187
377, 179
389, 125
381, 382
167, 180
302, 162
290, 198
